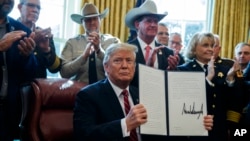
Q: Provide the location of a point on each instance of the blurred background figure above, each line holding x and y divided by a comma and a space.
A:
18, 66
162, 35
238, 77
175, 42
217, 49
45, 49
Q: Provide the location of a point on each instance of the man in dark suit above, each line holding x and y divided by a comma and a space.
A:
18, 65
99, 112
144, 20
247, 72
239, 78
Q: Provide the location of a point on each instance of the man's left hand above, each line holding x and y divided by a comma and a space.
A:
173, 61
27, 45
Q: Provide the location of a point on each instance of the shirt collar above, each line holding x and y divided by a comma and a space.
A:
117, 90
200, 63
143, 44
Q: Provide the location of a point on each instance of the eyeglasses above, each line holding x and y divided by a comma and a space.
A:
32, 5
177, 43
163, 33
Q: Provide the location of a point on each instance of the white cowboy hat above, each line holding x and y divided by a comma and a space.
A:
147, 8
88, 10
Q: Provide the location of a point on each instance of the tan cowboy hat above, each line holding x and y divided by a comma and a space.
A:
147, 8
89, 10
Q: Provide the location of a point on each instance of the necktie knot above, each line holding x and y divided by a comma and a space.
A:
125, 93
147, 48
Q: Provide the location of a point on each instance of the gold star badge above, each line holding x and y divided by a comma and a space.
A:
220, 74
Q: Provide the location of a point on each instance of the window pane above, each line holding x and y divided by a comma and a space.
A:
51, 15
184, 16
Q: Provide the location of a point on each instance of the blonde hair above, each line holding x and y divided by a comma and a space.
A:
189, 52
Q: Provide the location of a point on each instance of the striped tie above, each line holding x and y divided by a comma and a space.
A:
133, 135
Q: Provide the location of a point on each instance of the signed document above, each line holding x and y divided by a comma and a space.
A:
186, 103
175, 102
152, 96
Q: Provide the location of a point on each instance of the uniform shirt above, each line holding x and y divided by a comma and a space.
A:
74, 66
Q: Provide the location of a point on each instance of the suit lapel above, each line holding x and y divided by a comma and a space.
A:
247, 72
139, 55
134, 94
160, 58
112, 100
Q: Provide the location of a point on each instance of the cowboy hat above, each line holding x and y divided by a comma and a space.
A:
147, 8
88, 10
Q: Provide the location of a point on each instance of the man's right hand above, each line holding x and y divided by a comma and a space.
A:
136, 117
233, 70
9, 38
88, 50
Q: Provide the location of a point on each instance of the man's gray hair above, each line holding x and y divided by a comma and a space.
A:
117, 47
240, 45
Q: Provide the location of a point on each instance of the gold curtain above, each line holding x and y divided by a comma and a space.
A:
114, 22
231, 21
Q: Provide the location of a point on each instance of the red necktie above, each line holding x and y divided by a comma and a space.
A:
147, 48
133, 135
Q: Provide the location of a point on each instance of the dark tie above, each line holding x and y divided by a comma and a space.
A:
133, 135
205, 68
92, 68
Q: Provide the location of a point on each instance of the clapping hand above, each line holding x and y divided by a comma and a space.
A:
42, 39
9, 38
173, 61
27, 45
210, 69
94, 39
